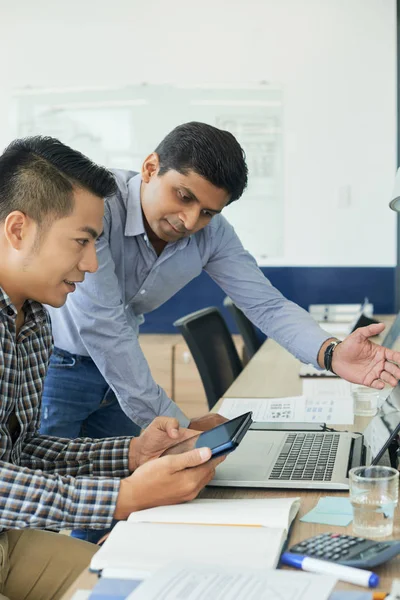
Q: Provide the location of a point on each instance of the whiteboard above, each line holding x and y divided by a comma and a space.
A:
119, 127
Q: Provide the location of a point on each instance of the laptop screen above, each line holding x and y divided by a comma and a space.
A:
392, 334
385, 426
357, 321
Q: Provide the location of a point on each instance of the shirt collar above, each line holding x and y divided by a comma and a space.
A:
34, 311
134, 219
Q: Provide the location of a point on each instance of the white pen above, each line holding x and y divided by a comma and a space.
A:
342, 572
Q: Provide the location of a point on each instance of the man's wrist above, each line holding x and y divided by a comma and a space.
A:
322, 350
132, 464
328, 356
123, 507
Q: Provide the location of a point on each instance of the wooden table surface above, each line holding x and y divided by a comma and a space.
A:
273, 372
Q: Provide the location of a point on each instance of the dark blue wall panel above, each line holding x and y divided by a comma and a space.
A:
304, 285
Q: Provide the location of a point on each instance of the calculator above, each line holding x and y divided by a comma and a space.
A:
347, 550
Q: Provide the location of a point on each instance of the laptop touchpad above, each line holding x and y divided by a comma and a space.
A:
250, 461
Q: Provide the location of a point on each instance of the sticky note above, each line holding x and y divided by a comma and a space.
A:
327, 518
340, 506
330, 511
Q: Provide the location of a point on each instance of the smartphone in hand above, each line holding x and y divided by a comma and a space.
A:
221, 439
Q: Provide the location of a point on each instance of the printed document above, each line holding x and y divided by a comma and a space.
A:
323, 401
196, 582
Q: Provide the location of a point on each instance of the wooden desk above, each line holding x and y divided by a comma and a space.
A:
273, 372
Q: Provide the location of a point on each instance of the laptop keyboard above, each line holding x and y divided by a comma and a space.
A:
309, 456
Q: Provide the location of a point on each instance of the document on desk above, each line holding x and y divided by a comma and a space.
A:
323, 401
332, 388
329, 400
266, 409
191, 582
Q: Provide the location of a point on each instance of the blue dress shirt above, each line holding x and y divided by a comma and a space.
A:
102, 317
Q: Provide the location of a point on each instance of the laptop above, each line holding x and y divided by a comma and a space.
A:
392, 334
309, 459
361, 319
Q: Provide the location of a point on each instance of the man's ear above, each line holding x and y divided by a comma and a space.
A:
150, 167
17, 228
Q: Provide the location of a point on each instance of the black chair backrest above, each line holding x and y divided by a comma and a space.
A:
213, 351
246, 328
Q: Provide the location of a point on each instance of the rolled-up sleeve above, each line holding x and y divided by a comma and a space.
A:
238, 274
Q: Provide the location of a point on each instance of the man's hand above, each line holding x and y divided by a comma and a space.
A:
166, 480
161, 434
359, 360
207, 422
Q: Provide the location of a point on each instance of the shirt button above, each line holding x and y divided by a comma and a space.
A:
10, 312
142, 291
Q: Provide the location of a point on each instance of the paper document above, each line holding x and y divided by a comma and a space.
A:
266, 409
319, 404
329, 400
195, 582
333, 388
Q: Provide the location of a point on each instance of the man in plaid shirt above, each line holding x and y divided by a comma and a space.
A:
51, 211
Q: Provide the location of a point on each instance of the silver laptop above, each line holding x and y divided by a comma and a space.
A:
309, 459
392, 334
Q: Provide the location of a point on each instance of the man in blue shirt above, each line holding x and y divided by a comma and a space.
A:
161, 229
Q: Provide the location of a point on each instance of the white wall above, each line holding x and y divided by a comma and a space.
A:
336, 60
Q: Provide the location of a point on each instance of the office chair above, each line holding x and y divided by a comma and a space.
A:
246, 328
210, 342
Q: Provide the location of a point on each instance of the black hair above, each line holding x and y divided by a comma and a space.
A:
212, 153
38, 175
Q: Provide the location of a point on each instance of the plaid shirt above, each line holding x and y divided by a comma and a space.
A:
47, 481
